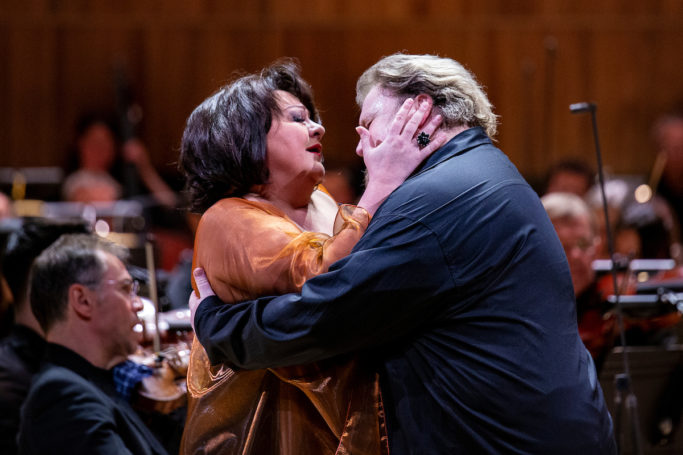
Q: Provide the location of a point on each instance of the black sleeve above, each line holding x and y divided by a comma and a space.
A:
381, 291
63, 417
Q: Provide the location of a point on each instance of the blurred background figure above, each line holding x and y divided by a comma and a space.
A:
102, 171
86, 303
619, 194
22, 350
642, 227
5, 206
668, 136
651, 230
667, 173
577, 229
99, 172
571, 175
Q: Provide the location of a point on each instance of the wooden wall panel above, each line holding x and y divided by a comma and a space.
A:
29, 102
4, 90
617, 84
90, 57
566, 135
534, 58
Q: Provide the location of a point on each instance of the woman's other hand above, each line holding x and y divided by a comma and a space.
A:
204, 289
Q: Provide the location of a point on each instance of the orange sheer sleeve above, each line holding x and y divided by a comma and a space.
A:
250, 249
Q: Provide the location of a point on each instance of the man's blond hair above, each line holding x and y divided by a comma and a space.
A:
457, 95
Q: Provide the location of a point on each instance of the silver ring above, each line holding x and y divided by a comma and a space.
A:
423, 140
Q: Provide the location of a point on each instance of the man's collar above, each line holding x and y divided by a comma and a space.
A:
461, 143
65, 357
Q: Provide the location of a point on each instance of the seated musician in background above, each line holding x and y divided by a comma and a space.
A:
668, 136
5, 206
655, 228
100, 173
569, 176
619, 194
577, 229
86, 303
101, 169
642, 228
6, 316
22, 350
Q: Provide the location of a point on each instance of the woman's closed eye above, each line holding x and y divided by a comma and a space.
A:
298, 114
300, 117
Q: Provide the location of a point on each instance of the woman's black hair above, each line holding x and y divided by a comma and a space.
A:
223, 150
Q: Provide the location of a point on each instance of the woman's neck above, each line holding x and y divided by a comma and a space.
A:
295, 204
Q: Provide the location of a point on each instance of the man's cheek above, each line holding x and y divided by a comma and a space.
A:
377, 136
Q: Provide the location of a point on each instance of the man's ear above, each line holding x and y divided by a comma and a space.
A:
424, 98
82, 300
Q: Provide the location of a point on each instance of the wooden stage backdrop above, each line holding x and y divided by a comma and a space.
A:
534, 57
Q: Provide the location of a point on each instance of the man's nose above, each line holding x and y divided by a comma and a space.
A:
137, 304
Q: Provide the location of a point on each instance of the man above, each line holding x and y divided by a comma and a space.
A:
21, 351
86, 303
569, 176
577, 230
459, 291
5, 206
668, 136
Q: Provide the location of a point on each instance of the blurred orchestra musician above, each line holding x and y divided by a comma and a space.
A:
667, 171
5, 206
619, 194
21, 351
86, 304
106, 166
569, 175
667, 181
100, 172
641, 232
668, 168
577, 230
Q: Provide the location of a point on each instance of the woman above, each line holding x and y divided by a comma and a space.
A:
252, 157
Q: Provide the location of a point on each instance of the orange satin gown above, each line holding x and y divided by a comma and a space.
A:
250, 249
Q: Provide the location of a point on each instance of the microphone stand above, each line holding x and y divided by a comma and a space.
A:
622, 380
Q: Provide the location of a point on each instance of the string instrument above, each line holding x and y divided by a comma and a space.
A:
665, 315
165, 347
599, 329
165, 390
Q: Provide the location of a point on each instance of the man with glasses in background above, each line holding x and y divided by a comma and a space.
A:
86, 303
21, 351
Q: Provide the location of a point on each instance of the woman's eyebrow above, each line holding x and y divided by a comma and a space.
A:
296, 106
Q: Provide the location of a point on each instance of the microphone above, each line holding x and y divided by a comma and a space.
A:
578, 108
623, 381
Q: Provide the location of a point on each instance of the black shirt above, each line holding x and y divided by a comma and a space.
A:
20, 355
72, 408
